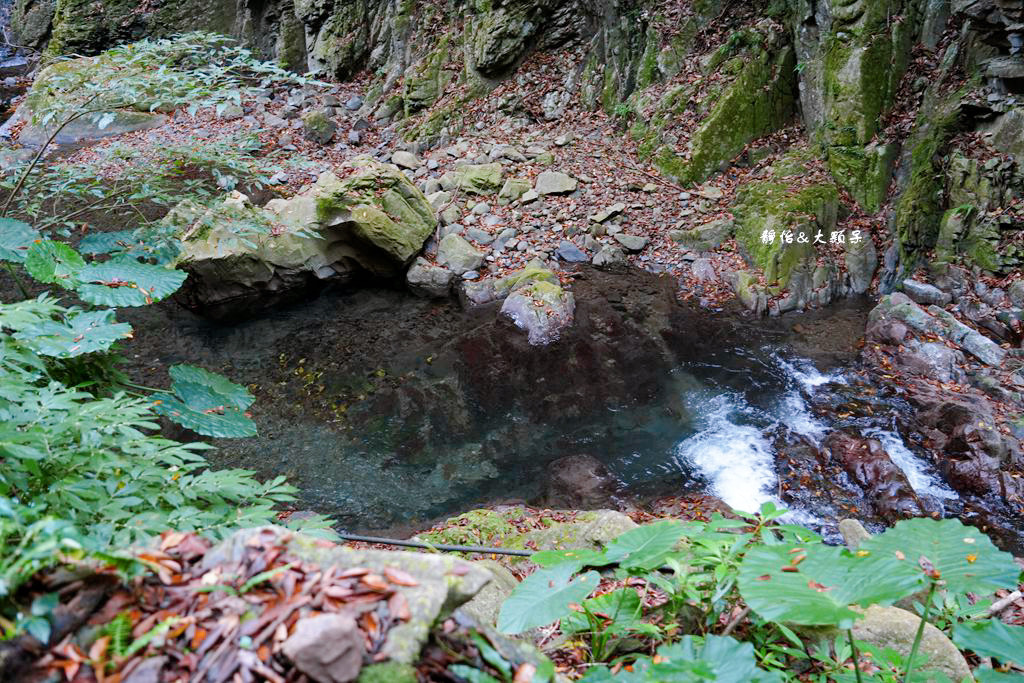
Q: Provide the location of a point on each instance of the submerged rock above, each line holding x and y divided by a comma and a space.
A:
581, 482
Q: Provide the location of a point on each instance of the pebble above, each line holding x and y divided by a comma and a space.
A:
354, 103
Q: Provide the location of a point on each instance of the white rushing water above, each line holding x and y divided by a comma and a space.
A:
736, 459
917, 472
732, 448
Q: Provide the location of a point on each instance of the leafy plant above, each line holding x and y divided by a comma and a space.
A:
713, 658
674, 585
544, 597
207, 403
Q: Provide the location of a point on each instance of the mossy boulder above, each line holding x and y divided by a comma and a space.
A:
866, 54
58, 87
372, 220
30, 22
864, 171
458, 255
541, 309
388, 672
343, 41
86, 27
381, 208
513, 189
425, 81
704, 237
589, 529
777, 220
502, 33
478, 179
318, 127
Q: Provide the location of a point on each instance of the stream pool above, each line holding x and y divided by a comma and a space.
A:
391, 412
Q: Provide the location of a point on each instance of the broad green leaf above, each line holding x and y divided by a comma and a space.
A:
964, 557
992, 638
54, 263
44, 604
224, 390
544, 597
646, 546
15, 239
815, 584
108, 242
130, 243
80, 333
221, 422
622, 608
38, 628
578, 558
126, 282
719, 658
472, 675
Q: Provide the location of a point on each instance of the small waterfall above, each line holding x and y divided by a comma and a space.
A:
734, 449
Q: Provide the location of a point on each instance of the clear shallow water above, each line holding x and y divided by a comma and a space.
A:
390, 413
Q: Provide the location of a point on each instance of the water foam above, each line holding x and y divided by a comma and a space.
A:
735, 459
917, 472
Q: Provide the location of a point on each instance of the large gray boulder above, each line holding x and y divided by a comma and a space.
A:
899, 307
896, 628
932, 359
443, 582
375, 220
555, 182
925, 294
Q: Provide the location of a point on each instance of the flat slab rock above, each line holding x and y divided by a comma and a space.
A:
443, 582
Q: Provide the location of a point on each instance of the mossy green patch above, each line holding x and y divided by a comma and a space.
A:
919, 211
771, 215
864, 171
388, 672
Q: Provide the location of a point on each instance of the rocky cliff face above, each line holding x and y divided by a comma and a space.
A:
893, 97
